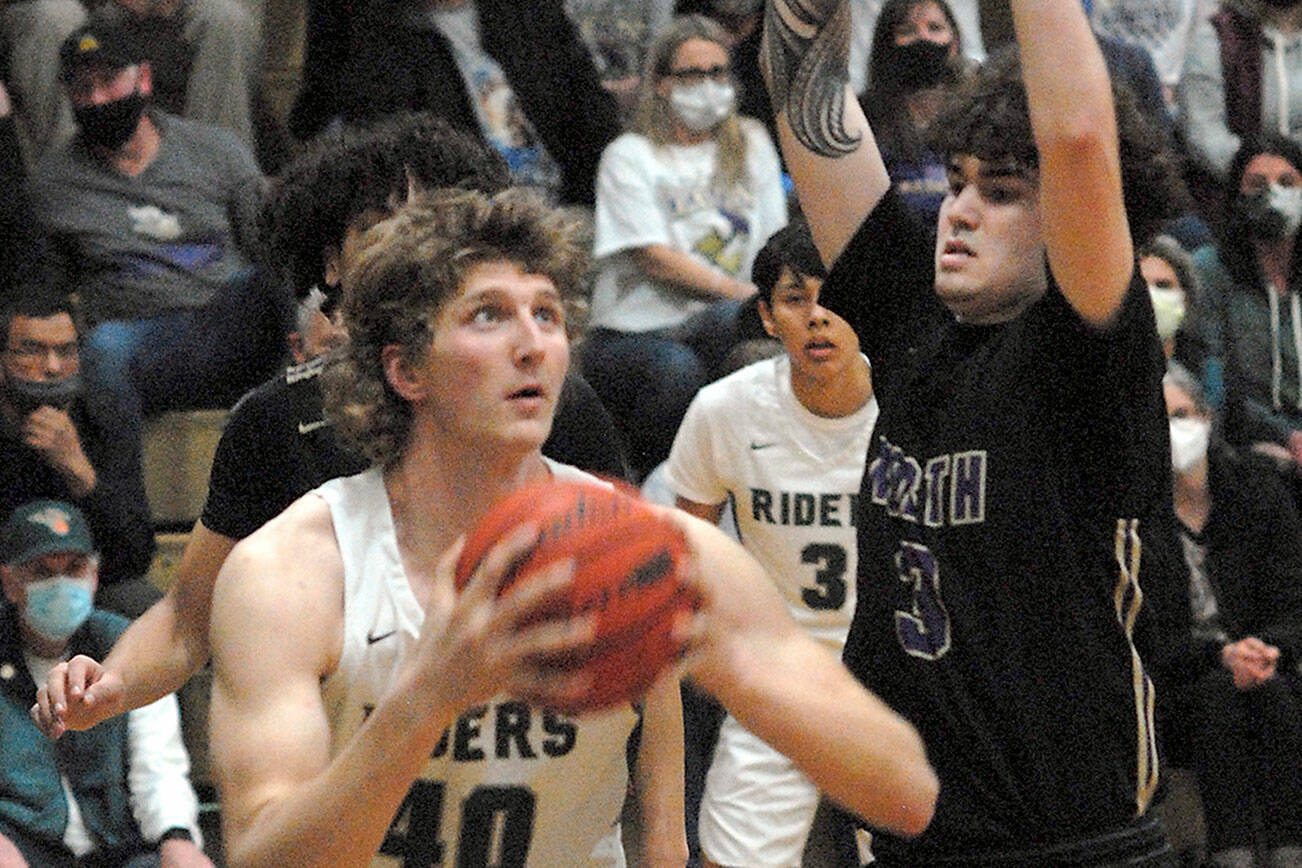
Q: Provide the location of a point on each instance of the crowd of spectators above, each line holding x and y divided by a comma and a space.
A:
136, 278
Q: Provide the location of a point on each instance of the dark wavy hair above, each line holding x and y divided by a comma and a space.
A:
1237, 253
410, 265
988, 118
358, 173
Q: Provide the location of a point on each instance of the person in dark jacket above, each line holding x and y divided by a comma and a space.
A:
1238, 719
60, 441
528, 84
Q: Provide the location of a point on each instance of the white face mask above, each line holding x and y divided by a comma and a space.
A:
1287, 201
702, 106
1168, 310
57, 606
1189, 438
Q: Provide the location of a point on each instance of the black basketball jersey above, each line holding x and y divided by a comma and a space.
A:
1013, 474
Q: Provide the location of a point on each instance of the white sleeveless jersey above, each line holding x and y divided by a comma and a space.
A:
508, 785
793, 480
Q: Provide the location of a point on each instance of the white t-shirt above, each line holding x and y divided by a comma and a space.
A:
793, 480
508, 781
649, 194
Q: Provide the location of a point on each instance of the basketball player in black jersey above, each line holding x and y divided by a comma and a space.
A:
1019, 463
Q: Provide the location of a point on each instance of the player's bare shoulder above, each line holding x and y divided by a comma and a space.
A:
285, 578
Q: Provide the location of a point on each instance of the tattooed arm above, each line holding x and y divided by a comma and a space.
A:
825, 138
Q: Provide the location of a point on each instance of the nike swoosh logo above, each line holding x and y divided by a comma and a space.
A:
372, 638
309, 427
754, 445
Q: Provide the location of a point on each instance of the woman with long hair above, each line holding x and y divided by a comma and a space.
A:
915, 61
685, 199
1253, 322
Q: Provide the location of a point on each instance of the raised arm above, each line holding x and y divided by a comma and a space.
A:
794, 694
1074, 122
829, 148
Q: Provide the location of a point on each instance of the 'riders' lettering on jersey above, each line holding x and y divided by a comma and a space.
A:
506, 731
949, 487
802, 509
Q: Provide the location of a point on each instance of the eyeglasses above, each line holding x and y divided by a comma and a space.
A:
692, 75
35, 352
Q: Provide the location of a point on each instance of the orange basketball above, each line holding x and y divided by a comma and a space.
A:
628, 564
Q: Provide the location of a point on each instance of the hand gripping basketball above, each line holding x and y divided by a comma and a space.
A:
628, 566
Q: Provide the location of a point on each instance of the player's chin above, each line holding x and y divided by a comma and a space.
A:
961, 295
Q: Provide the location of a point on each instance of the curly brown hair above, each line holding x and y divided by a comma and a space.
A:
988, 118
410, 265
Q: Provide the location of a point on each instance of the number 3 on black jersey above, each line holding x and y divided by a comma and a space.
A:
488, 813
923, 631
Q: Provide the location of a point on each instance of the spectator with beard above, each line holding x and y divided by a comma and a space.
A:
205, 55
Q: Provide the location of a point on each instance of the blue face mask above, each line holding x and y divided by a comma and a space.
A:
57, 606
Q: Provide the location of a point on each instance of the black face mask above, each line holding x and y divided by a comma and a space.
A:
27, 396
110, 124
1262, 222
921, 64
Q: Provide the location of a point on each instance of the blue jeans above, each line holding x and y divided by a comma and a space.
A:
648, 379
187, 360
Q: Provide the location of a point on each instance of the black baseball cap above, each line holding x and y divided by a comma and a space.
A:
102, 42
44, 527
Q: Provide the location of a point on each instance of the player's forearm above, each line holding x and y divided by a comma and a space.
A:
678, 268
1074, 124
152, 658
798, 698
337, 819
168, 644
824, 136
660, 777
794, 694
1067, 102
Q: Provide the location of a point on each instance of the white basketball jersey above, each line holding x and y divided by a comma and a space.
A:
793, 479
509, 784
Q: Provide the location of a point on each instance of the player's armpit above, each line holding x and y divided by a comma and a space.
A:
707, 512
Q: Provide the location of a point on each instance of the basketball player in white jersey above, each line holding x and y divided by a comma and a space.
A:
362, 706
784, 441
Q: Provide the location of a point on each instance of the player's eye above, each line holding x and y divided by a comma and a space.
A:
552, 314
999, 194
487, 314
